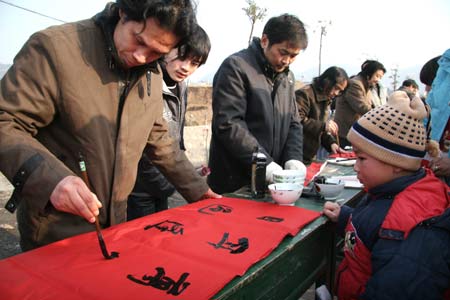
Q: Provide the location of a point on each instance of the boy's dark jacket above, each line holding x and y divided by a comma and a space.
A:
397, 242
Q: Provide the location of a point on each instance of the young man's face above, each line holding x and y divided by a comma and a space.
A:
136, 47
280, 55
179, 69
371, 171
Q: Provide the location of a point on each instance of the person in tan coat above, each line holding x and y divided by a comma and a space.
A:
313, 102
90, 88
357, 99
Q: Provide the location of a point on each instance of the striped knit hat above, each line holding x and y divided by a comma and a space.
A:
394, 132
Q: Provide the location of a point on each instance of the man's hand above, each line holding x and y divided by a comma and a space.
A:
441, 166
270, 168
210, 194
331, 127
73, 196
294, 164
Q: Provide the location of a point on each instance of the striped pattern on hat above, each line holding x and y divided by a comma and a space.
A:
394, 132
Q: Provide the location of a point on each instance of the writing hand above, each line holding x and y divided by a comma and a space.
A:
336, 149
332, 127
73, 196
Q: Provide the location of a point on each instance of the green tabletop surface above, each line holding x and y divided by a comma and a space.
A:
299, 261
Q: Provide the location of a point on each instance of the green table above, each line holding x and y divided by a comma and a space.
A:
297, 263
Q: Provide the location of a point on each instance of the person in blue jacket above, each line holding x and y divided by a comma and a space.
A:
435, 74
396, 241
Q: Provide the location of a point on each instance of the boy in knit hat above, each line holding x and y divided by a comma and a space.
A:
397, 241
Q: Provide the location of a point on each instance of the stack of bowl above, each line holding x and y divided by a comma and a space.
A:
289, 176
287, 186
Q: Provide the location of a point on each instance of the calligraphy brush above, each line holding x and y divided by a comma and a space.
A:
338, 159
101, 241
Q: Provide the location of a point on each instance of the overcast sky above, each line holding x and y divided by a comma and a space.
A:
401, 34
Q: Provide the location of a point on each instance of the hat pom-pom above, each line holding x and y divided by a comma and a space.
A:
412, 107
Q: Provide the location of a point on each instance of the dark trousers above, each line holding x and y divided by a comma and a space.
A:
140, 206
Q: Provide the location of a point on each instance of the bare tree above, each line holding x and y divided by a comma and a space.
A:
323, 32
394, 77
254, 13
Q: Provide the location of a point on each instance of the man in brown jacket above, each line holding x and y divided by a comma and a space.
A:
93, 88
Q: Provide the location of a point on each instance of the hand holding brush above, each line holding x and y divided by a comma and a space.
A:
101, 241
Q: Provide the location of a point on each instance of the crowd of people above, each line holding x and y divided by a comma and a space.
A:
112, 90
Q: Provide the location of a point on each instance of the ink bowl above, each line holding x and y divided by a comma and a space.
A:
285, 193
330, 189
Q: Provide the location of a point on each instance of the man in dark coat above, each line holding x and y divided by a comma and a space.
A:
254, 107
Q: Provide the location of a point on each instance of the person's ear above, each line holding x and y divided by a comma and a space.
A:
122, 15
264, 41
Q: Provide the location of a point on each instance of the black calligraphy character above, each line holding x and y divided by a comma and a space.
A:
234, 248
164, 283
271, 219
171, 226
215, 208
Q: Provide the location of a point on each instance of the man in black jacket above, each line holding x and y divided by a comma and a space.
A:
152, 190
254, 107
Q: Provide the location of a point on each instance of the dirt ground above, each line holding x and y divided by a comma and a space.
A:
9, 236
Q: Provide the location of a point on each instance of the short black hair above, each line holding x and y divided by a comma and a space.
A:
429, 71
197, 46
286, 28
410, 82
177, 16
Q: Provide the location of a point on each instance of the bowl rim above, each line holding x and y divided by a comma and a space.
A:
288, 172
296, 186
333, 193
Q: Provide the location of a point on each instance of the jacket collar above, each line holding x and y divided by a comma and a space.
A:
363, 81
395, 186
320, 97
256, 48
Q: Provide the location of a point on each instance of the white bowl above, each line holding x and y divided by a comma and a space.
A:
289, 176
331, 189
285, 193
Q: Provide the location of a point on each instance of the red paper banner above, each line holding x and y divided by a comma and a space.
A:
189, 252
343, 155
312, 170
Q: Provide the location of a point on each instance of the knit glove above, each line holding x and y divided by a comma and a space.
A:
270, 168
294, 164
